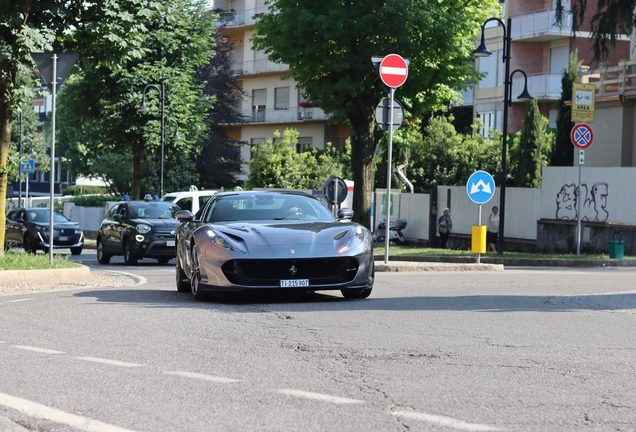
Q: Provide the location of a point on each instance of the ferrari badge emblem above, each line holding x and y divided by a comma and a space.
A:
293, 270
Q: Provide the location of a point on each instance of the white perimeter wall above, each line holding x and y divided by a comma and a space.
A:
607, 192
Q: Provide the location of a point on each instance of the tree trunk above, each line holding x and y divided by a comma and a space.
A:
136, 186
5, 143
362, 155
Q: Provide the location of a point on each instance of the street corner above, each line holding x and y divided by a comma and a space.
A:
45, 279
409, 266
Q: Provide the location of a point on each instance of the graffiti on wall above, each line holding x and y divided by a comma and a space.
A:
593, 208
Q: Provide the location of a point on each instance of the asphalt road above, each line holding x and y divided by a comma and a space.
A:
527, 349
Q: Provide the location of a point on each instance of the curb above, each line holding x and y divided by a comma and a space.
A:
517, 262
45, 276
410, 266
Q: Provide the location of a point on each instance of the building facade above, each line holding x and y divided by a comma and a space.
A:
541, 49
273, 100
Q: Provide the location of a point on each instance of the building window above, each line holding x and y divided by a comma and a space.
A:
489, 121
259, 100
304, 144
488, 65
254, 142
281, 98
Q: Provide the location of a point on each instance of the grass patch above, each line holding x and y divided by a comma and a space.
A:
400, 250
27, 261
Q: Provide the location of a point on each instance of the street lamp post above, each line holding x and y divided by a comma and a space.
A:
143, 108
482, 51
20, 165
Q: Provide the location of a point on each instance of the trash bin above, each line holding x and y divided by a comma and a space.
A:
616, 248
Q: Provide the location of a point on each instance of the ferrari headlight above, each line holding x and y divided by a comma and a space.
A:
354, 240
143, 228
221, 241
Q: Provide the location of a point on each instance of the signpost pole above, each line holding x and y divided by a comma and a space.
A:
388, 178
578, 210
52, 177
479, 223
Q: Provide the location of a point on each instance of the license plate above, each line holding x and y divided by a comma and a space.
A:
293, 283
62, 238
170, 243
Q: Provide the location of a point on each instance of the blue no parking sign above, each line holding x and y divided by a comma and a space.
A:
480, 187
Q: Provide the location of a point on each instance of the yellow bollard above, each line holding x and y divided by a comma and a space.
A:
478, 239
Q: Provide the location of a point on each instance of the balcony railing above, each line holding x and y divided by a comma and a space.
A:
284, 115
613, 81
541, 86
541, 25
258, 66
237, 19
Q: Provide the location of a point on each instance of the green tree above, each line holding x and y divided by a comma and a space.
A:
442, 156
101, 115
102, 32
329, 45
278, 164
611, 19
563, 152
530, 149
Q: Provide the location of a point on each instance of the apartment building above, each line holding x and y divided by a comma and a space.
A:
541, 49
273, 100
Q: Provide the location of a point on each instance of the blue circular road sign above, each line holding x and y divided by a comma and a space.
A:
480, 187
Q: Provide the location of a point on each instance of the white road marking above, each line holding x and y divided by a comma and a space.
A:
319, 396
19, 300
37, 410
444, 421
110, 362
203, 377
36, 349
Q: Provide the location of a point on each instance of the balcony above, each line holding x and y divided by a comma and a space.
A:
613, 81
542, 86
540, 26
238, 19
258, 67
285, 115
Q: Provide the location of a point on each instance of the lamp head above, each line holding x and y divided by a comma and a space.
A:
176, 136
482, 51
525, 95
143, 107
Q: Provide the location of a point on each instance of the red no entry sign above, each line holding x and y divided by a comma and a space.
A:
393, 70
582, 136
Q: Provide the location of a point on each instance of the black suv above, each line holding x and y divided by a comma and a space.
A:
138, 229
29, 228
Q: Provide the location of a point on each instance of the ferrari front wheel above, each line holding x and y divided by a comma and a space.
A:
182, 280
195, 279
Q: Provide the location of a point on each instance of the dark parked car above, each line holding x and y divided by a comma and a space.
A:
138, 229
272, 240
29, 228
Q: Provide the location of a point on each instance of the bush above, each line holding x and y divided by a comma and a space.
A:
85, 190
93, 200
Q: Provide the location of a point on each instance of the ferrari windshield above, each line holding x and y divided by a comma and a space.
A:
266, 206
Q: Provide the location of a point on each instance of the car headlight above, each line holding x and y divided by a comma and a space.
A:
143, 228
221, 241
356, 236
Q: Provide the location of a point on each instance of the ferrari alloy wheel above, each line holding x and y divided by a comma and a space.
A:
102, 257
183, 284
129, 257
195, 279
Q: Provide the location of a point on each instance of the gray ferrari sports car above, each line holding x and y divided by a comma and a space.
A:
253, 240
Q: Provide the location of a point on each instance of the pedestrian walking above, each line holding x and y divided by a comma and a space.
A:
492, 232
444, 227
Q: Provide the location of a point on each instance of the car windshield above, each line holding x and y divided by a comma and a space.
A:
266, 206
44, 215
153, 210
